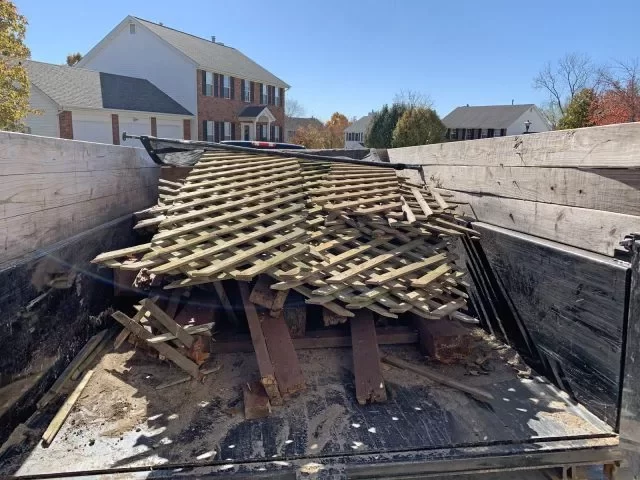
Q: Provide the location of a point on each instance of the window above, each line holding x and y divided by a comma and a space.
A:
226, 86
453, 134
208, 88
276, 133
209, 133
264, 94
227, 130
483, 133
503, 132
132, 28
469, 135
246, 94
277, 96
490, 133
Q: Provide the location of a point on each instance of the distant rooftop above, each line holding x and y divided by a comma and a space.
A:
488, 116
360, 125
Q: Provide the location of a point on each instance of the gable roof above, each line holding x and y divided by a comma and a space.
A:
81, 88
252, 111
489, 116
294, 123
360, 125
213, 56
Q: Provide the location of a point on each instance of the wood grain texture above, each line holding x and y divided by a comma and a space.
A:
611, 146
366, 359
24, 234
593, 230
612, 190
283, 355
572, 305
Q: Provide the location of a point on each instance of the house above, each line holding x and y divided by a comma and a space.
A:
468, 123
292, 124
213, 80
354, 134
94, 106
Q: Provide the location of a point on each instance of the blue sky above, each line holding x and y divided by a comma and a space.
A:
354, 55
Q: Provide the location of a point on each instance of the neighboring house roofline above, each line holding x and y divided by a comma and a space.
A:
125, 22
33, 85
126, 112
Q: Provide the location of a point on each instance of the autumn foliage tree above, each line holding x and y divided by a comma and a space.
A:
329, 135
619, 99
14, 84
73, 58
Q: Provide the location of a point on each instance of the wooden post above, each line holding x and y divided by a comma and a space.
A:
366, 359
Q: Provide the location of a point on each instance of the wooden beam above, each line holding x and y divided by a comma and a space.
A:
263, 358
593, 230
611, 146
366, 360
256, 401
167, 322
283, 355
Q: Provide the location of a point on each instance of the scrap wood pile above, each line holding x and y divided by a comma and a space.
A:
351, 238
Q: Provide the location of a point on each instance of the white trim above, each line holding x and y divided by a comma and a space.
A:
269, 115
127, 112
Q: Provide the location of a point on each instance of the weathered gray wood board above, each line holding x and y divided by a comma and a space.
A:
612, 190
52, 189
571, 304
612, 146
593, 230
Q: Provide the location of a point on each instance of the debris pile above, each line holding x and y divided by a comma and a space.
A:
355, 239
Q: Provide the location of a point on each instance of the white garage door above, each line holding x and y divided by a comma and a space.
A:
142, 126
169, 129
95, 128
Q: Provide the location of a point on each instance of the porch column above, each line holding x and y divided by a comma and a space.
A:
255, 129
269, 131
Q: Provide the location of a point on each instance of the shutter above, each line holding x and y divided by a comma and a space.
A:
233, 131
260, 93
216, 80
272, 133
204, 82
242, 87
252, 87
272, 95
282, 97
216, 131
204, 130
232, 84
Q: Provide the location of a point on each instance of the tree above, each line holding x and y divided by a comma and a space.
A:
412, 99
380, 133
619, 97
14, 84
335, 130
73, 58
418, 126
578, 112
329, 135
292, 108
562, 81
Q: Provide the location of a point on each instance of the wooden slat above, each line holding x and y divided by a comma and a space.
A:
611, 146
421, 201
167, 322
431, 276
402, 271
172, 354
267, 372
366, 360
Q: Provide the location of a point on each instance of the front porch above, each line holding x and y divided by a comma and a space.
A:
257, 123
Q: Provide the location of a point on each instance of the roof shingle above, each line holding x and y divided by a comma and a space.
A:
214, 56
490, 116
81, 88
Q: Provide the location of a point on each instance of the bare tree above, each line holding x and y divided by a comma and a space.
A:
565, 78
413, 99
293, 108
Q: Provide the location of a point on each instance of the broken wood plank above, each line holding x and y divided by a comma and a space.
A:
437, 377
204, 373
444, 340
283, 355
169, 352
261, 294
366, 360
332, 318
96, 351
167, 322
424, 206
57, 422
190, 329
263, 358
256, 401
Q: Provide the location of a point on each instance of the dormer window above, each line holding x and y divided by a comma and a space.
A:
132, 28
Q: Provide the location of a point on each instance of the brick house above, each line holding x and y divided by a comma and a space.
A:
232, 96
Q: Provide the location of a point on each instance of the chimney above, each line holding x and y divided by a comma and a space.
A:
213, 38
512, 101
